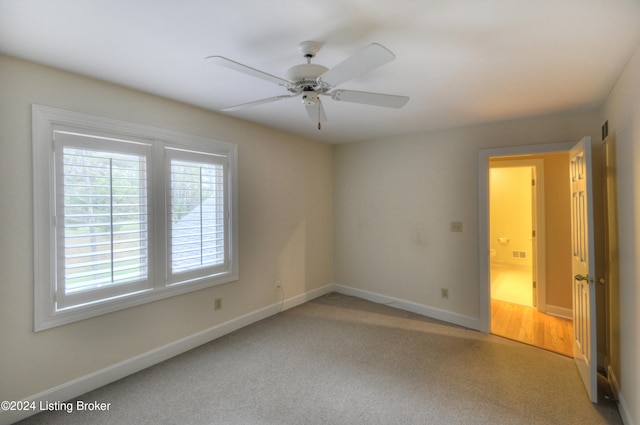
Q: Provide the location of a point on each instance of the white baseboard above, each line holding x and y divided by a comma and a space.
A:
563, 312
424, 310
304, 297
623, 407
84, 384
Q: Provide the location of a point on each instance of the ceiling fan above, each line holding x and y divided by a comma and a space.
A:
310, 81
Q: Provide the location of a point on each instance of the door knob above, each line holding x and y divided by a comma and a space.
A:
589, 279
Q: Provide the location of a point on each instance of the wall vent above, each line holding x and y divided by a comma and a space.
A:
519, 254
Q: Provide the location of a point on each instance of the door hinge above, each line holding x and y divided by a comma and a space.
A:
533, 182
535, 285
533, 233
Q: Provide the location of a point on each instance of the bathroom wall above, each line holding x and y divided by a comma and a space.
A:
510, 216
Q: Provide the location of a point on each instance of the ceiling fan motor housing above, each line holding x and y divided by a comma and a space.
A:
305, 72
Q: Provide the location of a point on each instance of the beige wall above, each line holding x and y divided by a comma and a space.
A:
622, 110
510, 216
285, 216
395, 198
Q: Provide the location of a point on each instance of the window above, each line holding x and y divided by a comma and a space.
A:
126, 214
197, 215
101, 218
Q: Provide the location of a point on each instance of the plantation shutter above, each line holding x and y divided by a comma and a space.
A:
198, 219
102, 217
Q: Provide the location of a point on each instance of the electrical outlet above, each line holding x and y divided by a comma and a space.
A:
444, 293
217, 304
456, 226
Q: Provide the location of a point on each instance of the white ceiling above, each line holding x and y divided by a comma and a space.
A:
461, 61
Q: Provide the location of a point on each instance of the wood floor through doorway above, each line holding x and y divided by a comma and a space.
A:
529, 326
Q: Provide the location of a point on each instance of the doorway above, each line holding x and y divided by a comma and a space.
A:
515, 212
534, 257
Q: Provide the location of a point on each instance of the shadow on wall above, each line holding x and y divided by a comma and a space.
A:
292, 259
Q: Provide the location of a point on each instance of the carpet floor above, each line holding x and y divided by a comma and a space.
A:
343, 360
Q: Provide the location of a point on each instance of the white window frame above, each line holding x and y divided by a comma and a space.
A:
161, 145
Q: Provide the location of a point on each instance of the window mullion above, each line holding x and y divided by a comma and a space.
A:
159, 215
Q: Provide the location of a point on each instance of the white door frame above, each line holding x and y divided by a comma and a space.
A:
483, 214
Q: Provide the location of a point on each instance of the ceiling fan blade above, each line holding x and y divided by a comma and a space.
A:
237, 66
316, 113
365, 60
368, 98
258, 102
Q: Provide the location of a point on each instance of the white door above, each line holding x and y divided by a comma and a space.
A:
583, 266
